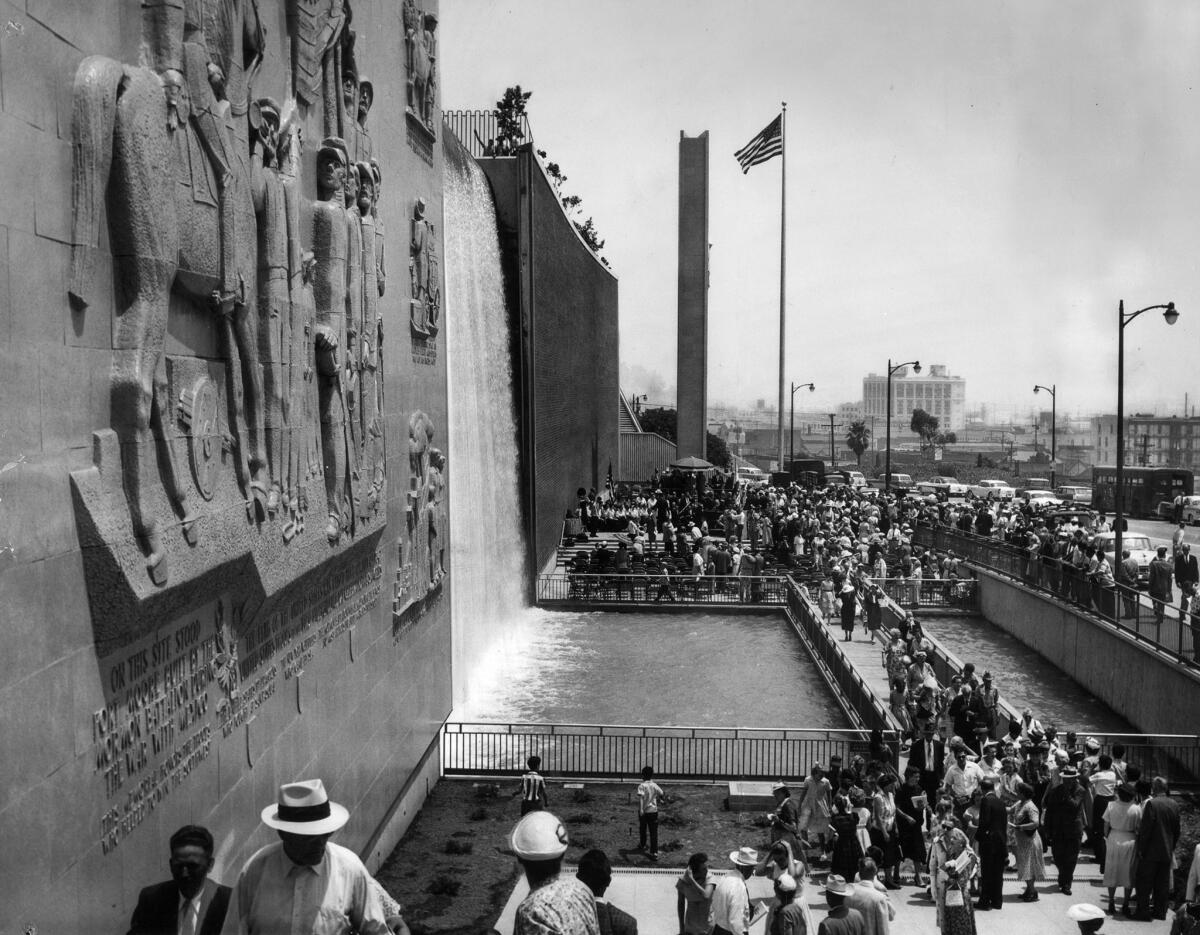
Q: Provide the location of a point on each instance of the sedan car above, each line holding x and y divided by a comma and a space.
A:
1042, 499
1139, 548
1191, 510
992, 490
952, 486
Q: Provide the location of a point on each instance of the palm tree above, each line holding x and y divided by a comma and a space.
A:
858, 439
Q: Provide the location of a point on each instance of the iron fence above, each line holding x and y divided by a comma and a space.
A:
479, 130
660, 589
924, 593
843, 676
620, 751
1156, 623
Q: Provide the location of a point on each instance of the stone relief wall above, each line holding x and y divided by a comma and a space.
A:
240, 536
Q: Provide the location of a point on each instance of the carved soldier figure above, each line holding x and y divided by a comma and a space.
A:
430, 42
411, 17
424, 246
380, 266
366, 97
331, 249
436, 528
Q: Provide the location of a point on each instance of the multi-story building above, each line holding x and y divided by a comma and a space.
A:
1150, 440
936, 391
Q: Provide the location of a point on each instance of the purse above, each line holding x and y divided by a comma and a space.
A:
954, 897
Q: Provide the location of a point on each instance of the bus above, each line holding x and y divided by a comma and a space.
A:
809, 472
1145, 488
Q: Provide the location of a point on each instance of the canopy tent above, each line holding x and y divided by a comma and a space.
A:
691, 463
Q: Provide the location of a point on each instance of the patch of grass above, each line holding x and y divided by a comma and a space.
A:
673, 820
459, 847
583, 841
579, 818
673, 845
581, 797
479, 814
442, 885
487, 790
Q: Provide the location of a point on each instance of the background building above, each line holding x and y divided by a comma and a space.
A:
1150, 440
936, 391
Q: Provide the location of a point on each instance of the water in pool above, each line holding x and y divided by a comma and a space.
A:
1024, 677
704, 670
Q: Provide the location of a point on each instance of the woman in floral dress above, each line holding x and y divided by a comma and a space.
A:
1025, 820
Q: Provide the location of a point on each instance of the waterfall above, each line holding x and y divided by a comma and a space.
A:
486, 534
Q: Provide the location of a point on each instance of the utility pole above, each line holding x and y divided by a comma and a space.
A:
832, 449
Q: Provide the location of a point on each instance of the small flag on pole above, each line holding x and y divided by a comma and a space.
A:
766, 145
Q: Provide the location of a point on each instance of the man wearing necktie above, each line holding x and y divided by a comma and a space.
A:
189, 903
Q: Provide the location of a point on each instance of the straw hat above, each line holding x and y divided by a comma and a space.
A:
304, 808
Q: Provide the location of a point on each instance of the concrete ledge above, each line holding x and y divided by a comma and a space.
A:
1150, 690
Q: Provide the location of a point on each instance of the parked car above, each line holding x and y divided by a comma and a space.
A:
1080, 515
901, 483
854, 478
992, 490
1041, 498
952, 486
1078, 494
1139, 547
1037, 483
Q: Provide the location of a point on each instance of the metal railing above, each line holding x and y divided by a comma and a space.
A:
1129, 610
924, 593
620, 751
843, 676
659, 589
478, 130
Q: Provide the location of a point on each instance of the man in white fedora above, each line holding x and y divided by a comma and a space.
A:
556, 905
731, 898
305, 885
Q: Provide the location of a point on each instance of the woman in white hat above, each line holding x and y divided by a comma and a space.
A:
952, 864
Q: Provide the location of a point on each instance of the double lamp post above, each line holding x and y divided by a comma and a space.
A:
887, 477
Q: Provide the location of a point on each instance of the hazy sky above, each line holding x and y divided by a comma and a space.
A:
975, 184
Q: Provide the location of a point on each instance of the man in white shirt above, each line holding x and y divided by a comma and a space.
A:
962, 779
304, 885
731, 898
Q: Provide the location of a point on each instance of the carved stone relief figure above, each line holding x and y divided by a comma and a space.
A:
420, 46
370, 332
132, 131
331, 249
424, 274
380, 265
435, 508
366, 97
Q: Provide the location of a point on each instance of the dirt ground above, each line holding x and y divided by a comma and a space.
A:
453, 873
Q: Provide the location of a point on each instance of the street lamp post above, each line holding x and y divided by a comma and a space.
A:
1170, 315
1053, 430
887, 477
792, 420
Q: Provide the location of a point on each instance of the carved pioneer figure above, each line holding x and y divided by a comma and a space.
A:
436, 525
168, 231
354, 307
331, 248
270, 151
371, 464
420, 46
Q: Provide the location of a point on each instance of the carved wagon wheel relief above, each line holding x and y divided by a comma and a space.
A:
200, 412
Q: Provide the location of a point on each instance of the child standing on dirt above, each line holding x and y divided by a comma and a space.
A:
533, 787
649, 794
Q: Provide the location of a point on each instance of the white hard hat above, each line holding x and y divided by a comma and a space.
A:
539, 835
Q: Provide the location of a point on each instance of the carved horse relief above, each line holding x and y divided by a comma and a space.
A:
165, 236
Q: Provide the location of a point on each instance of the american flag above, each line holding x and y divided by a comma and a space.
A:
766, 145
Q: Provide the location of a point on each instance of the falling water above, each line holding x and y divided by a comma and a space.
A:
487, 540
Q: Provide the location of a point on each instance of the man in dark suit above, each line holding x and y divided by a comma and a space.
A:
1187, 571
1157, 836
595, 872
929, 756
992, 838
189, 903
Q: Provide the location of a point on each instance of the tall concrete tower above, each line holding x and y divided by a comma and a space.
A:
692, 375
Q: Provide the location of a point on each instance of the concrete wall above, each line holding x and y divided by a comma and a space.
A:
1155, 694
113, 736
692, 351
567, 348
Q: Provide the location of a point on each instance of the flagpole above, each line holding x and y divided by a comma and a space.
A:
782, 265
